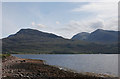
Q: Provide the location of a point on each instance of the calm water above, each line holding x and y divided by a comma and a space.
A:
98, 63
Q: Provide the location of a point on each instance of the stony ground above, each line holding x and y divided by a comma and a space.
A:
17, 68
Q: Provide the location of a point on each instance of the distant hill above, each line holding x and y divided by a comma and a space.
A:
81, 36
99, 35
34, 41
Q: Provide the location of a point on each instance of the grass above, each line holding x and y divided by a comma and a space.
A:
4, 55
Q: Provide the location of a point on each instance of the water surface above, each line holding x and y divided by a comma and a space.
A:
98, 63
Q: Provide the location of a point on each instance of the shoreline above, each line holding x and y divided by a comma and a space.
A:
85, 73
68, 69
14, 67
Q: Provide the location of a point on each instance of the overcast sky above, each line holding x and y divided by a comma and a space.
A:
61, 18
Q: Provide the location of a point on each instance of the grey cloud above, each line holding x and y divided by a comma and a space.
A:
97, 25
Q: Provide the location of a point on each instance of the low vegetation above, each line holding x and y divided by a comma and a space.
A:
4, 55
33, 41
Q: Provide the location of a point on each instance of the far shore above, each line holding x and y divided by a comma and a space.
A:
18, 68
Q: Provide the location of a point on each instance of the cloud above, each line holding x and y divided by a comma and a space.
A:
57, 22
95, 24
85, 25
101, 9
105, 17
38, 25
33, 23
89, 25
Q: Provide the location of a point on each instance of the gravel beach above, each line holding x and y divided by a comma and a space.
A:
18, 68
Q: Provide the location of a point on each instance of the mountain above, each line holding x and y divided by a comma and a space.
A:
99, 35
81, 36
32, 33
37, 42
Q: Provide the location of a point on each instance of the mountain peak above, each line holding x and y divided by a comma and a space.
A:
33, 33
99, 30
82, 36
99, 35
27, 30
34, 41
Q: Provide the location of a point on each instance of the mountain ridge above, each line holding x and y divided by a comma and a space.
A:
34, 41
99, 35
33, 32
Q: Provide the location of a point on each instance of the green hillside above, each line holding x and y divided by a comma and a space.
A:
34, 41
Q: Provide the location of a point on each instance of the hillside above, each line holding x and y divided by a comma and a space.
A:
81, 36
99, 35
34, 41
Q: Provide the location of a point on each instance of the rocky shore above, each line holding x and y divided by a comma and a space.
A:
17, 68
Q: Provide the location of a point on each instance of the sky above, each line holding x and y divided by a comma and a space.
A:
61, 18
